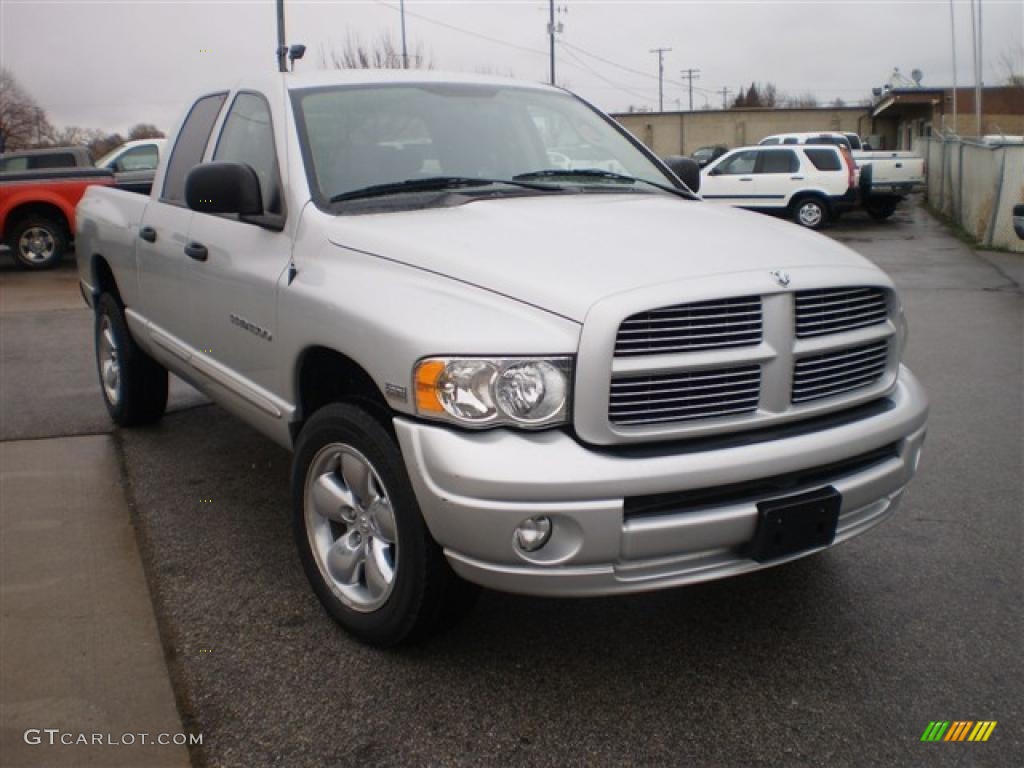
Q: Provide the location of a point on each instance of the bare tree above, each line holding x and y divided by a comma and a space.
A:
145, 131
806, 100
1011, 60
22, 122
383, 54
837, 103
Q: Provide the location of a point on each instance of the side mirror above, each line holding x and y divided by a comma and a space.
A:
224, 188
1018, 220
686, 169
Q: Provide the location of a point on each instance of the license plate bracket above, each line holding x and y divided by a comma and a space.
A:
795, 524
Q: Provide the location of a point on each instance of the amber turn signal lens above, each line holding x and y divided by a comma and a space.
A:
427, 374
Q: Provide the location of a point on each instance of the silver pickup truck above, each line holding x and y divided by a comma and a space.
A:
506, 344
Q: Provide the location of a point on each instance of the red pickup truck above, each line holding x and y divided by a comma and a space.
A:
37, 211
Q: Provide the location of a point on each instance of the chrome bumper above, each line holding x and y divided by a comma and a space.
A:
474, 489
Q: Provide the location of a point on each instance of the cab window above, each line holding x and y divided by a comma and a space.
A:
190, 145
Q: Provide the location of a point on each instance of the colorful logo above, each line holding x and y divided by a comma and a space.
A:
958, 730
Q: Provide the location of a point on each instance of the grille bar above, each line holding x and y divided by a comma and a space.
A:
833, 373
716, 324
684, 396
834, 310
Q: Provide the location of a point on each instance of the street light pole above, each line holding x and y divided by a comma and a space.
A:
661, 75
405, 51
551, 36
282, 49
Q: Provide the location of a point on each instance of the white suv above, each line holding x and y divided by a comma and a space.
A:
810, 183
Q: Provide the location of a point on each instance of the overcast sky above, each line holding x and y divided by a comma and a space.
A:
109, 64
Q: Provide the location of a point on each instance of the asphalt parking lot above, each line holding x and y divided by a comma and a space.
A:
841, 659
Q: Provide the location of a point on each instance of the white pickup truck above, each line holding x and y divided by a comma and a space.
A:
885, 176
494, 369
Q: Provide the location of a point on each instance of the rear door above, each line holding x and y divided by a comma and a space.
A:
731, 179
234, 290
777, 177
165, 271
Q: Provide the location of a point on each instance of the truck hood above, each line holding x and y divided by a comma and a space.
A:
564, 253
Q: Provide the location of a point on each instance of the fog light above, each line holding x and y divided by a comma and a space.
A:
533, 533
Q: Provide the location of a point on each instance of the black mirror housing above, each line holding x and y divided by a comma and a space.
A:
1018, 220
686, 169
224, 188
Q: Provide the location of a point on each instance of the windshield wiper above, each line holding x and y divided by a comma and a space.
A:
434, 183
597, 173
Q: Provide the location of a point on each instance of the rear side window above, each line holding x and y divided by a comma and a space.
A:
791, 140
248, 137
824, 159
191, 143
769, 142
14, 164
782, 161
58, 160
144, 158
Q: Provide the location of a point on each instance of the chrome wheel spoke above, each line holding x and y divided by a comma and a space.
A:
344, 558
356, 474
333, 500
379, 573
383, 517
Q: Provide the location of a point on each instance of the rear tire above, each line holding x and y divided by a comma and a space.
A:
134, 385
811, 211
362, 540
880, 210
38, 242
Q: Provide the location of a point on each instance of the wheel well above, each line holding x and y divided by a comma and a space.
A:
103, 277
326, 376
801, 196
47, 210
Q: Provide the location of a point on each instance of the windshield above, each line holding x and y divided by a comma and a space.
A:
366, 136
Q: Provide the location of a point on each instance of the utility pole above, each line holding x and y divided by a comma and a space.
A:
661, 75
551, 36
981, 70
690, 75
952, 33
726, 91
977, 76
282, 49
405, 51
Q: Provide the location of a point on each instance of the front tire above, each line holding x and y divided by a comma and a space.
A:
134, 385
811, 212
38, 242
361, 537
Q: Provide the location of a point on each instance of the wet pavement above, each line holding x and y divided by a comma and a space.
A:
841, 659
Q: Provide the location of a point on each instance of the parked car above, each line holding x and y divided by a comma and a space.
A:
491, 371
134, 163
708, 154
37, 212
812, 184
44, 159
885, 176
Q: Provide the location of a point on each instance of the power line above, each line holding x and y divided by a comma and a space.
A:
661, 75
577, 61
624, 68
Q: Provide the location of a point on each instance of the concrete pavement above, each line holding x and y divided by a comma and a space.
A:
79, 646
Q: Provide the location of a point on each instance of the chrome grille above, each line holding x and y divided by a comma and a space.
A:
832, 373
834, 310
684, 395
716, 324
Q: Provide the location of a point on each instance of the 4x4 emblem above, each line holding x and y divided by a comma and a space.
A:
781, 277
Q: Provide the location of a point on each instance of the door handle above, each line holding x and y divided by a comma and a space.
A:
148, 234
747, 178
796, 178
196, 251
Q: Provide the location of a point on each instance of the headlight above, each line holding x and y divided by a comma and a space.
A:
487, 392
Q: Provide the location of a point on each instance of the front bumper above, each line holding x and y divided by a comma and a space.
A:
474, 489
